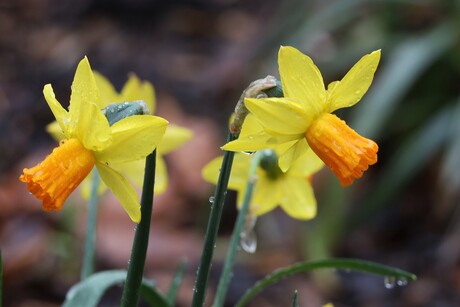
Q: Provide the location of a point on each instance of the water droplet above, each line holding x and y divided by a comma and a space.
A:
211, 200
402, 282
389, 282
248, 238
248, 152
249, 242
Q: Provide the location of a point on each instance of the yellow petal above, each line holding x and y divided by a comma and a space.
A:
134, 172
135, 89
210, 171
239, 173
289, 156
306, 165
280, 115
355, 84
249, 143
87, 122
251, 126
120, 187
86, 186
84, 91
161, 176
61, 115
56, 131
133, 138
96, 136
301, 79
299, 201
267, 196
106, 90
174, 137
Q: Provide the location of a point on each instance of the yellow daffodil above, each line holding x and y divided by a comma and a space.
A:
90, 141
302, 119
134, 89
291, 190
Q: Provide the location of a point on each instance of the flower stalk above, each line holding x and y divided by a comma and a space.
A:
213, 227
90, 236
136, 265
236, 234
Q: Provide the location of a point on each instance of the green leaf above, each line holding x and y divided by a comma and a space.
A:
89, 291
337, 263
176, 282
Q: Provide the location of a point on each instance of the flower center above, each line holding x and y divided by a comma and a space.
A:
344, 151
59, 174
269, 163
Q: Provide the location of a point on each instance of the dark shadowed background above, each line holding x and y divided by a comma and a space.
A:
200, 55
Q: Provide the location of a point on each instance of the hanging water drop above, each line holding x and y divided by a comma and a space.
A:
248, 239
389, 282
248, 242
211, 200
402, 282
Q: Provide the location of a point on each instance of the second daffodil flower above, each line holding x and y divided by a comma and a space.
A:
90, 141
302, 119
292, 190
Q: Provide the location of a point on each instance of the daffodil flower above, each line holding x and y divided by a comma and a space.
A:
90, 141
134, 89
302, 119
291, 190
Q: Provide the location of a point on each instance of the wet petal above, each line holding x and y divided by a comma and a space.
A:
84, 92
280, 115
251, 125
133, 138
93, 129
299, 200
355, 84
61, 115
301, 79
174, 137
135, 89
121, 188
249, 143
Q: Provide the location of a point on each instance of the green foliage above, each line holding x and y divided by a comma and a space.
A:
176, 282
89, 291
346, 264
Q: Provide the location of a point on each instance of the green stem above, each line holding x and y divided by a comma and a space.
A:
201, 281
136, 265
90, 236
337, 263
235, 239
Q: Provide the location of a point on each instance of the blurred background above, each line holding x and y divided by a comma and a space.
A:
200, 55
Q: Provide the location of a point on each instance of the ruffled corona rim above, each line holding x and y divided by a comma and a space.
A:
59, 174
342, 149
